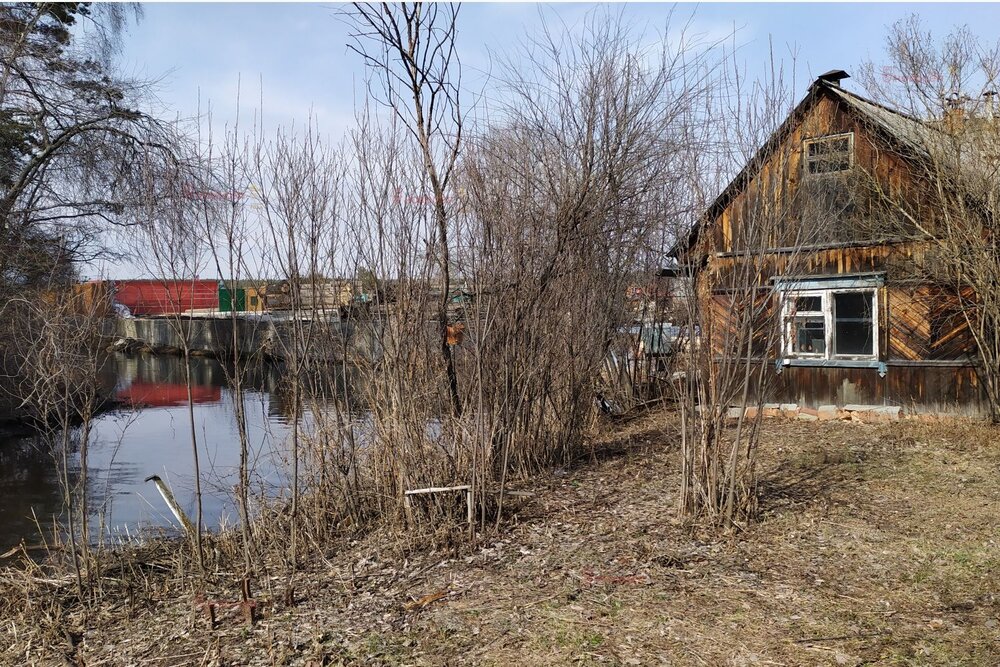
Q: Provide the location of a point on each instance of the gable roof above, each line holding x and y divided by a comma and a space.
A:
897, 126
909, 133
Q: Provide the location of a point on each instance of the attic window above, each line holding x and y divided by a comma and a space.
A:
827, 155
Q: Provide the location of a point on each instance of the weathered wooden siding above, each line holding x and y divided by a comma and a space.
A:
723, 323
925, 324
926, 351
917, 389
919, 322
895, 259
784, 200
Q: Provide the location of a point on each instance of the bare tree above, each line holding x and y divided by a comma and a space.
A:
950, 206
73, 134
170, 247
61, 366
411, 48
297, 176
566, 189
221, 212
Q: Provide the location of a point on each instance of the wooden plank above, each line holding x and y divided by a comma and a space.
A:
436, 489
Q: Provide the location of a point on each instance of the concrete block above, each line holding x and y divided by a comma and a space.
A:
827, 413
734, 413
752, 412
789, 410
807, 417
809, 411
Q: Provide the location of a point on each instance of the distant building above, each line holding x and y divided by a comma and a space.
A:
322, 294
95, 297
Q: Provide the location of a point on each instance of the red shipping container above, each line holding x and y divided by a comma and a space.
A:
166, 297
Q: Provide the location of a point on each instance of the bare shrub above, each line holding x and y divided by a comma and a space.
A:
61, 368
733, 319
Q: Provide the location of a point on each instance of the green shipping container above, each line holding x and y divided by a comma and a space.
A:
227, 302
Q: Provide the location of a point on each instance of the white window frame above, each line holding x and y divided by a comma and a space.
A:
807, 161
788, 314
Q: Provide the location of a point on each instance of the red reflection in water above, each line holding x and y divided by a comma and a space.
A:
158, 394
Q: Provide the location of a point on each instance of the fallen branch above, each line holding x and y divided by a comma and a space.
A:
864, 635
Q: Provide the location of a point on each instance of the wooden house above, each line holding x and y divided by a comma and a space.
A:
242, 296
856, 322
255, 298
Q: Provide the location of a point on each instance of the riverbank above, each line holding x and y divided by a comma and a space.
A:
876, 544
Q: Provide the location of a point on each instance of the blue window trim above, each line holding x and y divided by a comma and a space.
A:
859, 281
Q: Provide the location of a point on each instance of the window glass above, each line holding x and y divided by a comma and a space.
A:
808, 335
828, 154
846, 319
829, 147
809, 304
853, 323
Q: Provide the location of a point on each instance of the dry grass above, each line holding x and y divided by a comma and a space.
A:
876, 545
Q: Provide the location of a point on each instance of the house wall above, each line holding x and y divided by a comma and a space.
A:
255, 300
781, 198
916, 389
94, 297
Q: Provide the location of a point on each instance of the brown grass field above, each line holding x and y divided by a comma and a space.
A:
876, 544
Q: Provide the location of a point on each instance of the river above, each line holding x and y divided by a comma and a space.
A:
127, 445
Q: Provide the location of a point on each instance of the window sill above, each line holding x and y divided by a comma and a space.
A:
837, 363
880, 366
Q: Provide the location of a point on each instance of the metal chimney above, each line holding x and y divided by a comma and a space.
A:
834, 76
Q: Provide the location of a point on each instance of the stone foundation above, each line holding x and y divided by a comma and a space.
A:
866, 414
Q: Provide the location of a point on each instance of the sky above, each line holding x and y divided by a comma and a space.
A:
292, 60
294, 57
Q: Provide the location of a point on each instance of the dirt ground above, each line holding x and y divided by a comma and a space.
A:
877, 544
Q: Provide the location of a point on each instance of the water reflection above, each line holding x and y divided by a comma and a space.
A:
153, 395
153, 437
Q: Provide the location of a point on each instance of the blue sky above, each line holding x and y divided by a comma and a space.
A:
298, 52
292, 59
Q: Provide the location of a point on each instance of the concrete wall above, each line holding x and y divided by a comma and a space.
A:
215, 335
